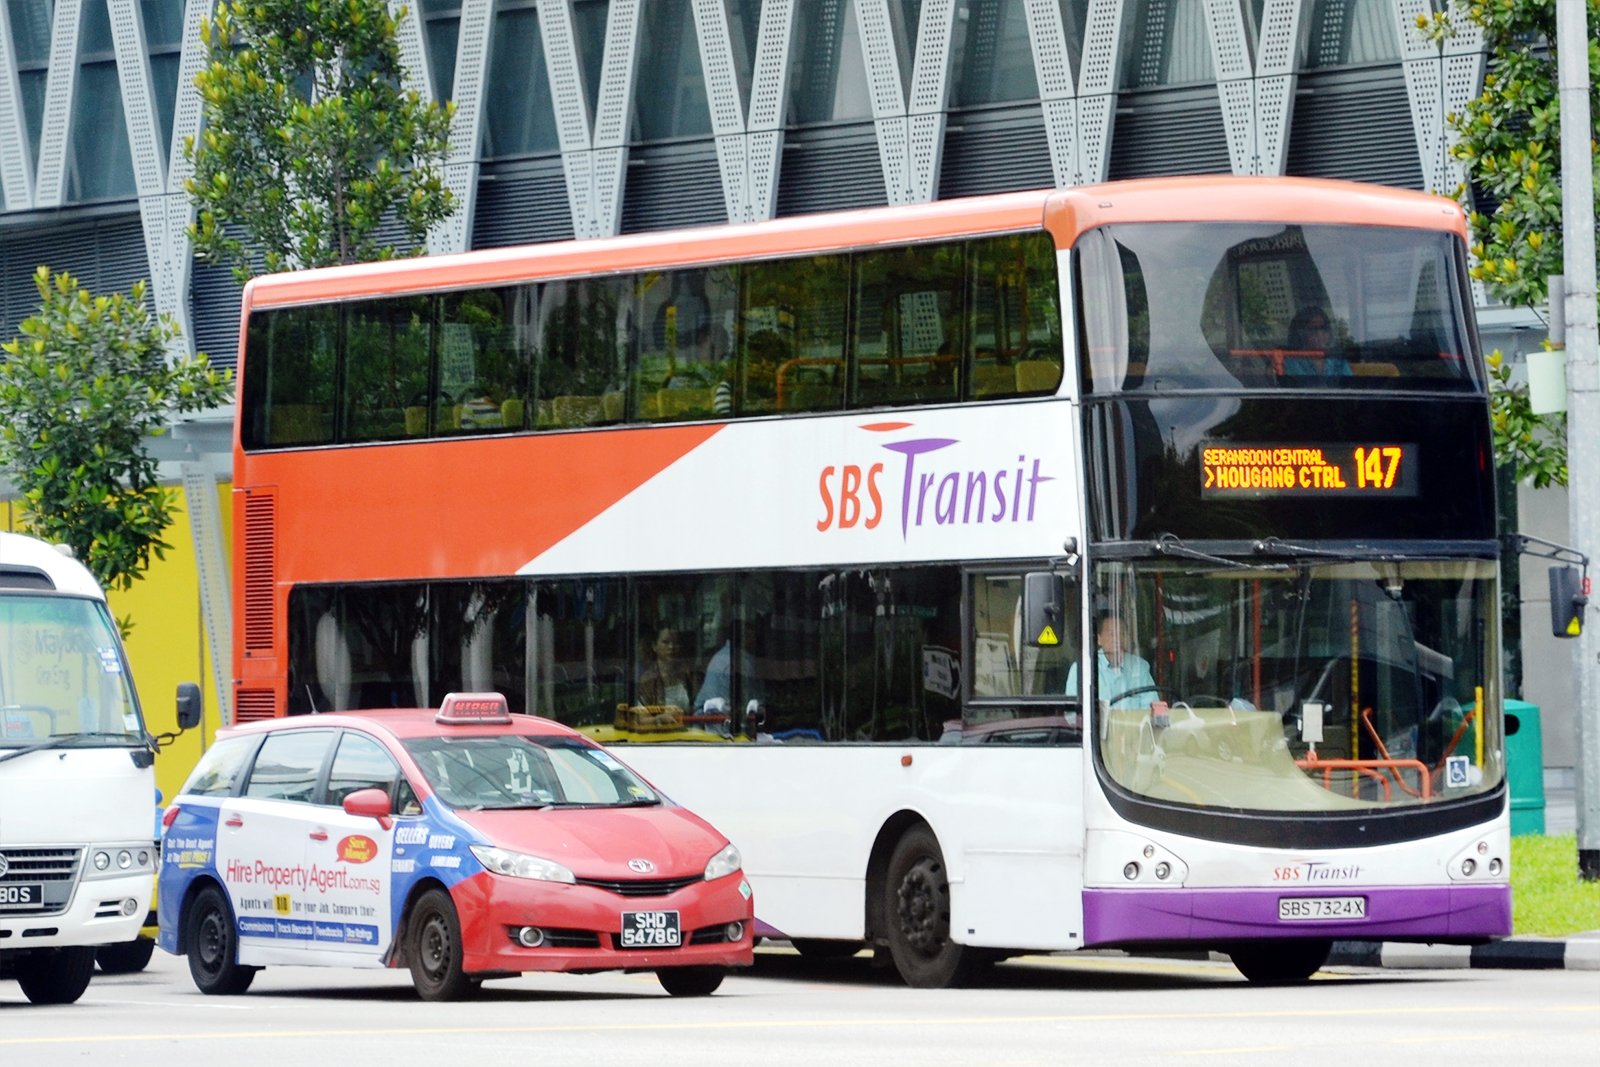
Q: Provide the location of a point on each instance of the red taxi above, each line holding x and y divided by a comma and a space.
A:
464, 844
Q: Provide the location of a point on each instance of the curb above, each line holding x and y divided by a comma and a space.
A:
1578, 953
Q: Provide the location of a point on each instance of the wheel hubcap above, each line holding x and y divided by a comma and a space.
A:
919, 908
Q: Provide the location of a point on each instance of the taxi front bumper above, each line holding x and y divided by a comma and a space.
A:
582, 925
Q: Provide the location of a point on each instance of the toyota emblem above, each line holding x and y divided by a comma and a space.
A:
641, 866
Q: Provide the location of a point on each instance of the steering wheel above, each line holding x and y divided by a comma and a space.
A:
1126, 693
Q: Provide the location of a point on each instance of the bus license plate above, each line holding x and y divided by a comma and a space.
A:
650, 929
29, 895
1292, 909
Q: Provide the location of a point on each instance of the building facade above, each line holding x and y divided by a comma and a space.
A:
582, 118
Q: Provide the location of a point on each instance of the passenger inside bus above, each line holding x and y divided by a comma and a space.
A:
665, 681
1310, 346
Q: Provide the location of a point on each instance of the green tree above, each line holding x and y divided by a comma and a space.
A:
82, 387
1509, 140
310, 143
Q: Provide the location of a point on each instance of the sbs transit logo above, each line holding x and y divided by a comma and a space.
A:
932, 487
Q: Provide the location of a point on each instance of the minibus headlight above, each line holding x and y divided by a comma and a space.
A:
724, 863
521, 865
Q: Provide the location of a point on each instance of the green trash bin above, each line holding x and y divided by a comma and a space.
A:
1525, 767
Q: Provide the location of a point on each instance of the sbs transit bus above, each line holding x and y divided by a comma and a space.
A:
820, 516
77, 788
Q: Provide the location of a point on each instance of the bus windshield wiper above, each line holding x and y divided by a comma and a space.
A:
1273, 546
1170, 545
66, 741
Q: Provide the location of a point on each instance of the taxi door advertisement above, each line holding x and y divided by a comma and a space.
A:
310, 886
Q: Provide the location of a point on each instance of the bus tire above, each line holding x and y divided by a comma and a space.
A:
56, 976
917, 915
130, 957
690, 981
1280, 962
433, 949
212, 940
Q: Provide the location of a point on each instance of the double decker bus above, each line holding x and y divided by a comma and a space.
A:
825, 518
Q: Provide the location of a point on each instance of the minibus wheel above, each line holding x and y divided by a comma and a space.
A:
55, 976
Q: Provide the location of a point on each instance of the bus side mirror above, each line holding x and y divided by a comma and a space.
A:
1043, 620
188, 705
1567, 600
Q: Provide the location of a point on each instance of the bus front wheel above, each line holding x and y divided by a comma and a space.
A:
917, 915
1280, 962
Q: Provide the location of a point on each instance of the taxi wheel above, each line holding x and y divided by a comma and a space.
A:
690, 981
130, 957
917, 910
433, 949
56, 976
212, 939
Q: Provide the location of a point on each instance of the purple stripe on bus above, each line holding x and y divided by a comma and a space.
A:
1411, 913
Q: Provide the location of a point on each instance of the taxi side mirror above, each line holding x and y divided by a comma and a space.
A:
372, 803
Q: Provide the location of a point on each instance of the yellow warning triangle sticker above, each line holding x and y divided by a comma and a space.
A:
1048, 637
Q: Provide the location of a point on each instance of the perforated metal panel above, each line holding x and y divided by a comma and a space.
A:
211, 565
593, 155
60, 85
466, 128
1256, 90
1077, 115
16, 176
418, 78
910, 129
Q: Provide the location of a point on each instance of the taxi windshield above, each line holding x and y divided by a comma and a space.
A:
508, 771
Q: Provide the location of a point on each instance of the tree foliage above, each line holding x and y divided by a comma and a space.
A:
82, 387
310, 142
1509, 140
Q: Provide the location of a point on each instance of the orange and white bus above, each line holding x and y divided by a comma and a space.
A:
826, 517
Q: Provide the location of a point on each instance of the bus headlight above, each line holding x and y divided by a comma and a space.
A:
724, 863
521, 865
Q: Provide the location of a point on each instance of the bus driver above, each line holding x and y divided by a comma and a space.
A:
1121, 676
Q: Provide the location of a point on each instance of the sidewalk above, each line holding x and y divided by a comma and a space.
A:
1578, 952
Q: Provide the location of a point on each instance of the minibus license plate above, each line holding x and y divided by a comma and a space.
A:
650, 929
1291, 909
28, 895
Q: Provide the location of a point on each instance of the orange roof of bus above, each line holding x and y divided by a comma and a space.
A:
1065, 212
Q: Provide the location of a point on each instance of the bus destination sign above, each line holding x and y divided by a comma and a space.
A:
1377, 468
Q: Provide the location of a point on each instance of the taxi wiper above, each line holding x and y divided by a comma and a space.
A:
1170, 545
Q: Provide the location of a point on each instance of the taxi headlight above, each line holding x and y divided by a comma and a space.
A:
521, 865
724, 863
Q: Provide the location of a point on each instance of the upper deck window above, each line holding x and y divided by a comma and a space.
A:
1170, 306
934, 323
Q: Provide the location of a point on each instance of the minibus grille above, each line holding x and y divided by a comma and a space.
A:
55, 870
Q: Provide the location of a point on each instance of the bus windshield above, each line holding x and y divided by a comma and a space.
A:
1320, 685
1272, 306
62, 676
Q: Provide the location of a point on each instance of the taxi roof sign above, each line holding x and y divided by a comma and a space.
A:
471, 709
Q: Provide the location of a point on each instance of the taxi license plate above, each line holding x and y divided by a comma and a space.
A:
25, 895
1295, 909
651, 929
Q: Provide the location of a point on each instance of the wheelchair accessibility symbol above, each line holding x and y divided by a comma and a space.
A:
1455, 771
